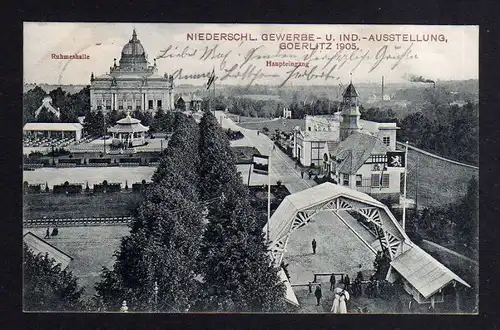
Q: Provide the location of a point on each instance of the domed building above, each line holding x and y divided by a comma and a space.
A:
133, 84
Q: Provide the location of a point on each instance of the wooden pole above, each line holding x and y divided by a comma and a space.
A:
269, 193
249, 174
404, 185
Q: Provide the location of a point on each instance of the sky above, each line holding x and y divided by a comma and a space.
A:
453, 57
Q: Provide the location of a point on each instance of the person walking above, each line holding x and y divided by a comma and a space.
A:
318, 294
47, 233
302, 173
314, 246
332, 282
347, 282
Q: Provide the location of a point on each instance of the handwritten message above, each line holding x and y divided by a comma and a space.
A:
286, 57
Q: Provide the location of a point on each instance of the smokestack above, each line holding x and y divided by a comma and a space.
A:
382, 88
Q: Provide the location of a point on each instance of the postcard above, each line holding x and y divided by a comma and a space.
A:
250, 168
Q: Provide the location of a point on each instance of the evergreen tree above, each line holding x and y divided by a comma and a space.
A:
47, 287
32, 99
165, 235
237, 272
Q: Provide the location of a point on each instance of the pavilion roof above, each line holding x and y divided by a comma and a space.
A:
57, 127
128, 128
423, 272
38, 245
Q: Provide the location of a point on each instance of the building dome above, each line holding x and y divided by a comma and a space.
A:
133, 47
133, 55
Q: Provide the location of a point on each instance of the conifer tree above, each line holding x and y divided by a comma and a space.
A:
237, 271
165, 235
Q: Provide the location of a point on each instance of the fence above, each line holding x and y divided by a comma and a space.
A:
77, 222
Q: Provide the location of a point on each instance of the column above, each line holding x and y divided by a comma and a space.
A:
142, 102
146, 101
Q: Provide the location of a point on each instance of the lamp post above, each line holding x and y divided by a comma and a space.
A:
155, 291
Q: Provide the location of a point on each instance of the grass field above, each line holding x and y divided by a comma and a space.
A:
37, 206
91, 249
439, 182
285, 125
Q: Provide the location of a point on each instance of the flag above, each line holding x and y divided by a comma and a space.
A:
260, 164
395, 159
381, 176
211, 78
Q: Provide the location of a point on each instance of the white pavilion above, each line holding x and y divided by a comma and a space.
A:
129, 132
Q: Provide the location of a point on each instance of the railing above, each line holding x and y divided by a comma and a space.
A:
77, 222
316, 275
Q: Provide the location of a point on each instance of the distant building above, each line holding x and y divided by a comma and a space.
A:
189, 102
349, 149
47, 104
287, 113
132, 85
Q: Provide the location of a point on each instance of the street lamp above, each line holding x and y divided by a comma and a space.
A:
155, 291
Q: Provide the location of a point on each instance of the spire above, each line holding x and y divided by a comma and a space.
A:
134, 35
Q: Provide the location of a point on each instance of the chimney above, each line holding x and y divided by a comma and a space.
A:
382, 88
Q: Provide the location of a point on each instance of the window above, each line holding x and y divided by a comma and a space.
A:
138, 104
309, 128
386, 140
158, 104
108, 104
99, 104
359, 179
129, 104
375, 180
345, 179
385, 180
120, 105
150, 104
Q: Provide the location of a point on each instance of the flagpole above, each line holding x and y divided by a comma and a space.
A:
404, 185
214, 89
269, 192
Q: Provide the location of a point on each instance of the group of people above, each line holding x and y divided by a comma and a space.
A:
309, 173
339, 301
341, 291
55, 231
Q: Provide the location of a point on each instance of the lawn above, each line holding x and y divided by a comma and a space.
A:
37, 206
439, 182
91, 249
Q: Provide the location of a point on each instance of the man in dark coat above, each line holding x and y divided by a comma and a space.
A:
318, 294
47, 233
302, 174
332, 282
347, 282
314, 246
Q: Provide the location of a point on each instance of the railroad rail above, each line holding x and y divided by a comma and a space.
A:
77, 222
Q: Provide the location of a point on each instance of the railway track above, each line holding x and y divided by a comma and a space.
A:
77, 222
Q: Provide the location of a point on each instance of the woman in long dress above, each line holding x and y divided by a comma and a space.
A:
339, 302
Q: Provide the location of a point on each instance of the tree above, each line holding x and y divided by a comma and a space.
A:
32, 100
46, 116
236, 268
163, 245
47, 287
